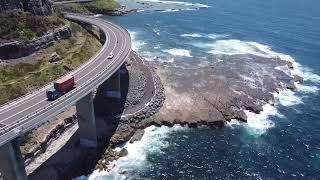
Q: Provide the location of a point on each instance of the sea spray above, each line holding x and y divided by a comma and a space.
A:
178, 52
153, 141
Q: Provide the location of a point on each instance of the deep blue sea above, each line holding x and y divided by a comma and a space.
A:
281, 143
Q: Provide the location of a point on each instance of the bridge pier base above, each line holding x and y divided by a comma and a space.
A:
102, 36
86, 120
114, 90
11, 162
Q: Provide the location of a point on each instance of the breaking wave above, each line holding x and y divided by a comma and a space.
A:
257, 124
153, 141
178, 52
202, 35
136, 43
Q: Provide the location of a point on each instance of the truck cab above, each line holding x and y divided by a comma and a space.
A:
53, 94
61, 87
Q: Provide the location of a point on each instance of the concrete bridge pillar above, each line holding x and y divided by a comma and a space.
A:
102, 36
113, 89
86, 121
11, 162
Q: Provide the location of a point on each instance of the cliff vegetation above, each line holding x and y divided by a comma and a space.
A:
19, 25
91, 6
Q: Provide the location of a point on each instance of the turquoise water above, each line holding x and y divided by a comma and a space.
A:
283, 143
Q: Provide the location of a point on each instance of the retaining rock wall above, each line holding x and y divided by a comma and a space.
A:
17, 49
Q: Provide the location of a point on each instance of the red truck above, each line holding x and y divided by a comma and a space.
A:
61, 87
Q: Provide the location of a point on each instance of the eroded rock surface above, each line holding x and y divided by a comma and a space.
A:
36, 7
223, 90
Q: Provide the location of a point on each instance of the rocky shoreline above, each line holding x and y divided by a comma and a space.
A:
112, 130
209, 112
172, 104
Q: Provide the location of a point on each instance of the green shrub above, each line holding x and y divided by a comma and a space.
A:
25, 26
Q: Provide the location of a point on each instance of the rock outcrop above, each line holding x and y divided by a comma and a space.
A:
36, 7
11, 5
19, 49
39, 7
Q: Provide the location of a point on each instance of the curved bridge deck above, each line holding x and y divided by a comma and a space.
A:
26, 113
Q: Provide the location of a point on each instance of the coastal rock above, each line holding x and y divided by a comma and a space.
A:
298, 79
137, 135
123, 134
291, 85
123, 152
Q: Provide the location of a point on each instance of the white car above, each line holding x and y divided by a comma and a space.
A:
110, 56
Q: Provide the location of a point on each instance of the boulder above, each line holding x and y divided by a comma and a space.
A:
123, 152
137, 135
298, 79
54, 57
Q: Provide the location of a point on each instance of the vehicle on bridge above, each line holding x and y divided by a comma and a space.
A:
61, 87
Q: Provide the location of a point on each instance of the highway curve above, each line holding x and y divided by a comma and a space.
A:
27, 112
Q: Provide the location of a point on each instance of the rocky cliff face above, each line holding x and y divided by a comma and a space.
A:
39, 7
19, 49
36, 7
10, 5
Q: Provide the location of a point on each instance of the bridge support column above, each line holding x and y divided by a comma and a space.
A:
11, 162
86, 121
102, 37
114, 90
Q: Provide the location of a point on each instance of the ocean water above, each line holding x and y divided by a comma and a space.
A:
283, 142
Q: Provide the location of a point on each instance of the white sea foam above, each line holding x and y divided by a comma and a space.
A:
156, 30
257, 124
287, 98
178, 52
136, 44
170, 10
234, 46
197, 5
153, 141
191, 35
203, 35
98, 15
307, 89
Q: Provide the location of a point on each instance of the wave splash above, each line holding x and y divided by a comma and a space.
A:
202, 35
178, 52
136, 43
153, 141
257, 124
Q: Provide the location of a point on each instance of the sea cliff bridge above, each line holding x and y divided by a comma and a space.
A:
30, 111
